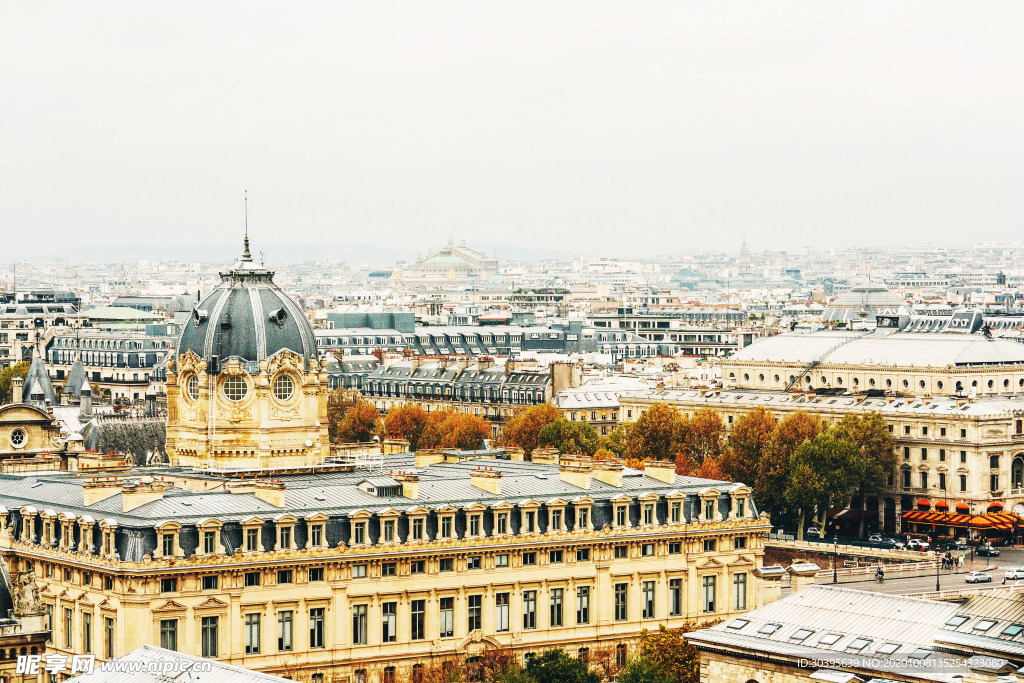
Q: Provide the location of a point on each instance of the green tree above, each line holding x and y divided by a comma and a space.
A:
523, 429
823, 474
406, 422
19, 369
749, 440
555, 666
668, 653
639, 670
569, 437
618, 439
773, 468
360, 424
653, 436
877, 450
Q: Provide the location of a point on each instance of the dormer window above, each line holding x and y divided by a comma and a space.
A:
583, 519
740, 507
167, 545
648, 514
389, 531
556, 520
209, 542
676, 512
709, 510
284, 539
417, 529
502, 523
620, 515
475, 526
446, 526
252, 540
316, 535
530, 522
359, 533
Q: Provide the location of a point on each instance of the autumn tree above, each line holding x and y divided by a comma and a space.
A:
569, 437
457, 431
877, 451
704, 435
772, 478
823, 474
338, 403
360, 424
406, 422
749, 440
19, 369
523, 428
653, 436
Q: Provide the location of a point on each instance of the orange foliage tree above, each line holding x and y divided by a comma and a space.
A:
406, 422
523, 428
450, 429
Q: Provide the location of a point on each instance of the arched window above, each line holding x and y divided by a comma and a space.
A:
1017, 471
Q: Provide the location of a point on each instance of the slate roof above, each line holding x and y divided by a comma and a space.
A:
335, 492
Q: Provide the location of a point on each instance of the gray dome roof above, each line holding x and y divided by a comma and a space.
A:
248, 317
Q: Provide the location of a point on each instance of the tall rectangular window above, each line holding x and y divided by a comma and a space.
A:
503, 523
556, 606
501, 603
252, 634
676, 512
621, 595
316, 535
529, 609
709, 593
252, 540
709, 510
675, 597
648, 513
739, 591
556, 520
963, 482
942, 481
316, 628
446, 527
583, 519
69, 628
168, 545
284, 631
647, 595
389, 531
209, 628
446, 621
360, 533
209, 542
474, 525
993, 482
87, 633
286, 538
359, 624
583, 605
389, 622
620, 515
108, 630
475, 614
169, 634
417, 529
418, 620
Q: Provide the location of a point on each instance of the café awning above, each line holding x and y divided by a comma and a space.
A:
994, 520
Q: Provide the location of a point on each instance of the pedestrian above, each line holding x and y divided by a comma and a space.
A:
1004, 579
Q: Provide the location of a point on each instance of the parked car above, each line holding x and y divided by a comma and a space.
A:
986, 551
958, 544
876, 538
1014, 573
978, 577
917, 544
812, 531
897, 543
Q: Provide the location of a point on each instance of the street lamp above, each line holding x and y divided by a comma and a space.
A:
937, 589
835, 559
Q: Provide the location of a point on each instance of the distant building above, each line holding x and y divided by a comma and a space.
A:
456, 261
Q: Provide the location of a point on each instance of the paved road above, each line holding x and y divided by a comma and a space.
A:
903, 583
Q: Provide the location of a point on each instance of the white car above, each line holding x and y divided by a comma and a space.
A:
1014, 573
917, 544
978, 577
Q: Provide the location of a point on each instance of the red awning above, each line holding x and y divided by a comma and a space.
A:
942, 505
924, 503
995, 507
996, 520
963, 507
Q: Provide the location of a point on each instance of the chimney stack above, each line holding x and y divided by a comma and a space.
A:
17, 384
608, 471
410, 485
487, 479
662, 470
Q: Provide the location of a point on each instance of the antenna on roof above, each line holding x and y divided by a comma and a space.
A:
246, 256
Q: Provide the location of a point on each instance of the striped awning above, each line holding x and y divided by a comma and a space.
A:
994, 520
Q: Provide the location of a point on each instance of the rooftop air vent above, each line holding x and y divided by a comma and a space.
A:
278, 315
199, 315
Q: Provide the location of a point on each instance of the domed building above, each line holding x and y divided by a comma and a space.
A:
245, 390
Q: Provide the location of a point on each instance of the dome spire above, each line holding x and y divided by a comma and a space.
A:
246, 256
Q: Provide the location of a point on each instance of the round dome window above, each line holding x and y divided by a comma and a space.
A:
235, 388
284, 387
192, 387
18, 438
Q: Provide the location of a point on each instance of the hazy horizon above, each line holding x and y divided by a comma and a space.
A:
574, 128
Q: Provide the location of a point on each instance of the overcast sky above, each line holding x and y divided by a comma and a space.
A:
645, 127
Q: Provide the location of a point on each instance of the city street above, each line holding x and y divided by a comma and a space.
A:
905, 583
